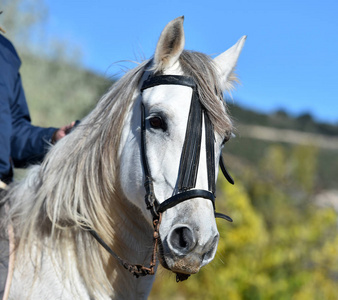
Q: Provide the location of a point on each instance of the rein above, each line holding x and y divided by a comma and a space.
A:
188, 170
135, 269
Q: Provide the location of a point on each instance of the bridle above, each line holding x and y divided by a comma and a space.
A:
190, 153
188, 168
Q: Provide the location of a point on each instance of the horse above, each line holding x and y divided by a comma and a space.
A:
134, 181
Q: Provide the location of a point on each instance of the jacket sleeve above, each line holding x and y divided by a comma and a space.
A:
29, 143
5, 133
21, 143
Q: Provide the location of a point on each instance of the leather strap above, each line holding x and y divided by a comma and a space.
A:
210, 151
190, 155
225, 171
181, 197
188, 168
168, 79
149, 198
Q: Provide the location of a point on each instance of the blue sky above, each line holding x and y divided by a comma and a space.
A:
290, 60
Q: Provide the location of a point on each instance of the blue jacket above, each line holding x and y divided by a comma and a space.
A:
21, 143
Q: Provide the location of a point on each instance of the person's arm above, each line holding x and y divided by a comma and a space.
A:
5, 135
21, 142
29, 143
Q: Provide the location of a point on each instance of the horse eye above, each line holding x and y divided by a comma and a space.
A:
157, 123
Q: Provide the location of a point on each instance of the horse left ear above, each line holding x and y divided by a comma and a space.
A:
170, 45
226, 62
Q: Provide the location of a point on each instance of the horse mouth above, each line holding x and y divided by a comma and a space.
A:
180, 266
179, 275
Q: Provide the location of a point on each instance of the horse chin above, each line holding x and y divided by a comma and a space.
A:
182, 266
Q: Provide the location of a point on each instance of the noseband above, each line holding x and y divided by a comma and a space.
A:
188, 169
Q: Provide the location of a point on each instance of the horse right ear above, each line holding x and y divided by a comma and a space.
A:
170, 45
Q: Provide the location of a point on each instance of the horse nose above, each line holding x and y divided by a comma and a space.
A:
181, 240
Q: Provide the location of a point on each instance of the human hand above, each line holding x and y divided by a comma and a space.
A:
62, 132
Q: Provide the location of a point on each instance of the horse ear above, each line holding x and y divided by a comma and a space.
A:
170, 45
226, 62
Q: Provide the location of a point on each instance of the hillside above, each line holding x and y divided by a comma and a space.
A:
256, 132
282, 120
58, 91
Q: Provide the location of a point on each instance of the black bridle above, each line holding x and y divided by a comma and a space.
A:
190, 155
188, 168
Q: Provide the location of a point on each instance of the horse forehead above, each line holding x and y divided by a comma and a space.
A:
169, 97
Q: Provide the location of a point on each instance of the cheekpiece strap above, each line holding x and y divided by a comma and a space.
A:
190, 152
190, 155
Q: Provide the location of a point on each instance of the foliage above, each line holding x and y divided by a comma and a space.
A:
280, 246
250, 151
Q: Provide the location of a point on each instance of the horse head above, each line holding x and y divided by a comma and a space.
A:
177, 125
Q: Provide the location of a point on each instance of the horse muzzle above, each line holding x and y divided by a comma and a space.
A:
183, 251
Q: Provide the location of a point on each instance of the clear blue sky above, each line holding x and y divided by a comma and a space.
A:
290, 59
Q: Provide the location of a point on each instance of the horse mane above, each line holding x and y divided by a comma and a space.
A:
76, 184
75, 187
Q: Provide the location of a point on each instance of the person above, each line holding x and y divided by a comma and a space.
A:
21, 143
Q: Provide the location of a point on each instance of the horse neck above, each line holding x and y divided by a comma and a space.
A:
133, 242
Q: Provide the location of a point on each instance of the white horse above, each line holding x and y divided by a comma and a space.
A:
91, 184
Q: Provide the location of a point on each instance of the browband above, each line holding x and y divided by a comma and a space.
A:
168, 79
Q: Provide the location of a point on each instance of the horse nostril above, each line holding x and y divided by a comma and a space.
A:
182, 240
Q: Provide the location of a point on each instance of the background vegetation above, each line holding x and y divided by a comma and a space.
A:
283, 243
